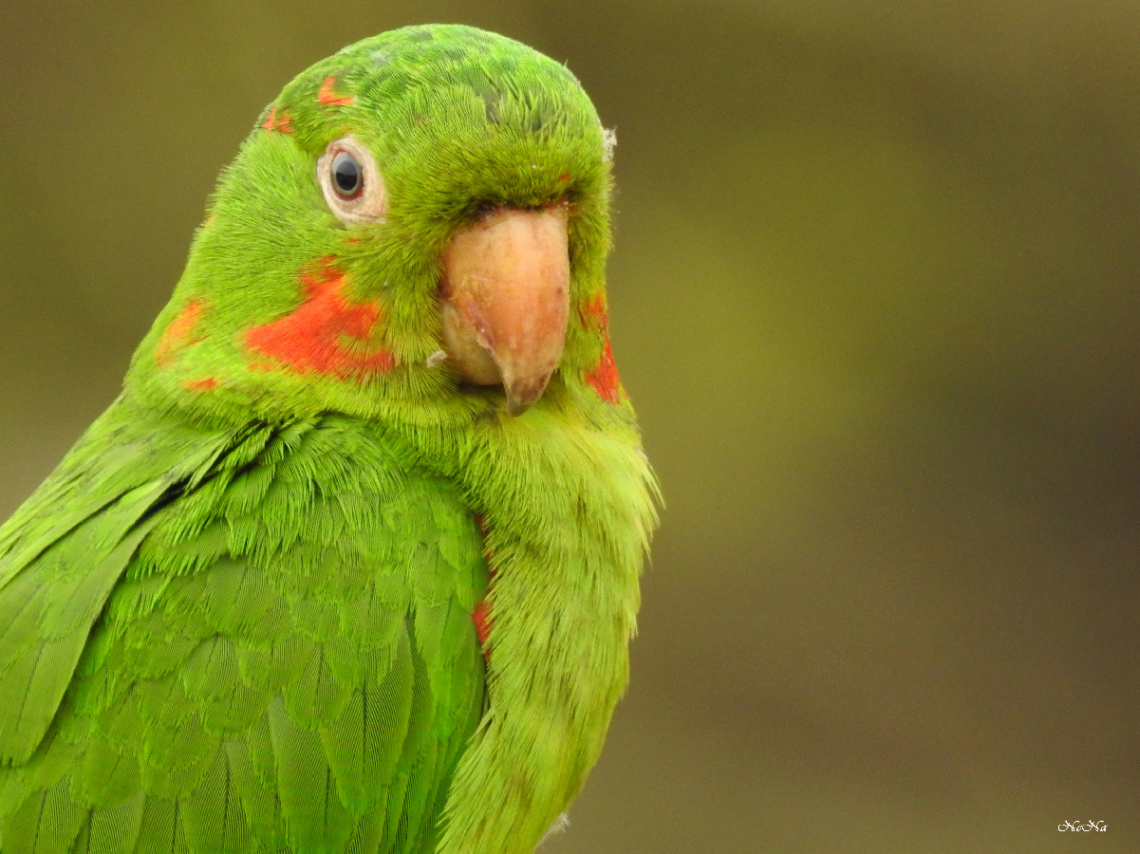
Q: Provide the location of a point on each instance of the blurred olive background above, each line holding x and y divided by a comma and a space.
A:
875, 294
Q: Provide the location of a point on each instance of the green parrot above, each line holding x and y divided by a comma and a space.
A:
351, 564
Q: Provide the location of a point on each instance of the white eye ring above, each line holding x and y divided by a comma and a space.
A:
367, 201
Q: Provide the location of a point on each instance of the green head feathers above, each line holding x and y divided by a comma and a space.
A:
289, 308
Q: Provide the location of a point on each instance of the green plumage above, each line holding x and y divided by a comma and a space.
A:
238, 616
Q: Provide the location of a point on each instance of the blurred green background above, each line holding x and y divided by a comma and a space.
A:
876, 297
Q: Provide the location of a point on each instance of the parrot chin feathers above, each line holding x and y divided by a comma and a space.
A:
505, 299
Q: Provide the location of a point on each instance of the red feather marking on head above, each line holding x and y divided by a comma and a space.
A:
309, 339
180, 333
329, 98
604, 378
202, 385
282, 123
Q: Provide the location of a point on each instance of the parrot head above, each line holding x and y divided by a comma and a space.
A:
417, 224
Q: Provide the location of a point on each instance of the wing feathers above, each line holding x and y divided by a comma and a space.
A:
272, 652
215, 819
44, 661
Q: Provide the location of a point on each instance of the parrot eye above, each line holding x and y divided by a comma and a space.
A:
351, 182
346, 174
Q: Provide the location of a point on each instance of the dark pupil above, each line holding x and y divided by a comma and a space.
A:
346, 175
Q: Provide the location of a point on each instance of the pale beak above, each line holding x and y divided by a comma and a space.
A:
505, 299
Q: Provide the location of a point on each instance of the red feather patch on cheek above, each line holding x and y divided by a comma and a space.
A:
282, 123
604, 378
595, 311
180, 333
329, 98
310, 338
202, 385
